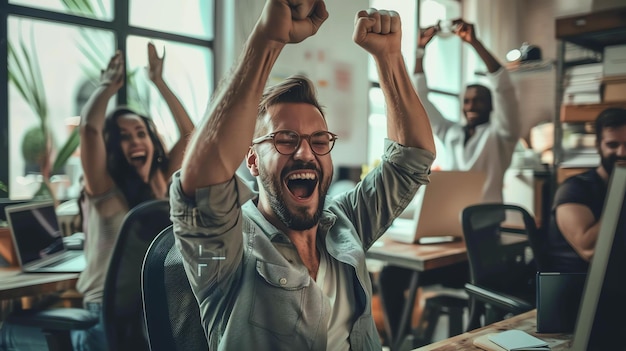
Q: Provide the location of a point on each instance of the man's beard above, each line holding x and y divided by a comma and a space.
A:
482, 119
608, 163
298, 218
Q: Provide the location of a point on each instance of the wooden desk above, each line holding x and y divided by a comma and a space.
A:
526, 322
420, 258
14, 284
425, 257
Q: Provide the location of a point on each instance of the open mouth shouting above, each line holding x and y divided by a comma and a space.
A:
302, 184
138, 158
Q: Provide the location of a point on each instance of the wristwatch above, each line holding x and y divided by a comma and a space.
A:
419, 53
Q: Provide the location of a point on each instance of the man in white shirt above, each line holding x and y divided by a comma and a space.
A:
484, 142
492, 128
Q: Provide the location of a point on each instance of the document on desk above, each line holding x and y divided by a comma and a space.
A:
511, 340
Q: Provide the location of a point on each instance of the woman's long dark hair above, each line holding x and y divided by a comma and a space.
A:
124, 175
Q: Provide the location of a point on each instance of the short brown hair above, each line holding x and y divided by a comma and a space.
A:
296, 88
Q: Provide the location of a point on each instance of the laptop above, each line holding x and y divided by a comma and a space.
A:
437, 208
38, 239
558, 301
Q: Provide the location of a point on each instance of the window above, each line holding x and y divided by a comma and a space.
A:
442, 65
53, 51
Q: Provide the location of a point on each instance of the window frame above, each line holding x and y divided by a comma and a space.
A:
121, 28
410, 62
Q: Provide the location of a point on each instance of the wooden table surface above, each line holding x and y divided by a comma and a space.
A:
526, 322
428, 256
15, 284
424, 257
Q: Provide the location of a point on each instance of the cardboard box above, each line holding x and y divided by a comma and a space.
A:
585, 112
614, 63
614, 89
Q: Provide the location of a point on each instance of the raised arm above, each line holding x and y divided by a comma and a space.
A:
181, 117
466, 32
379, 33
425, 35
92, 147
506, 117
439, 123
221, 141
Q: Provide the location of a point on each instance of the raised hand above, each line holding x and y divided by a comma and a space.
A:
426, 35
465, 31
291, 21
155, 64
379, 32
113, 75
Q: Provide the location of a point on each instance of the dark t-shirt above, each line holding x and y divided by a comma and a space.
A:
587, 189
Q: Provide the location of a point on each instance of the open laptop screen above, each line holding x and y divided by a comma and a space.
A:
35, 230
601, 322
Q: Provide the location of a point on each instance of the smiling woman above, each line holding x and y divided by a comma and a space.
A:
134, 154
124, 163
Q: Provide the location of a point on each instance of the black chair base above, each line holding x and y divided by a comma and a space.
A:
56, 324
435, 307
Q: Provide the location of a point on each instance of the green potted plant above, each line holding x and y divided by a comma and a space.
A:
37, 143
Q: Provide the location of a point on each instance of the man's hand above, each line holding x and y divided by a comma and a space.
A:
379, 32
291, 21
465, 31
425, 36
113, 76
155, 64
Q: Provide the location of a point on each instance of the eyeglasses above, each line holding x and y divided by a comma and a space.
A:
286, 142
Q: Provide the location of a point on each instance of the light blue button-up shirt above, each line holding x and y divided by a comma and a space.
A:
253, 290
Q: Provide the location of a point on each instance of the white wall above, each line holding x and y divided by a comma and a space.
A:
501, 24
328, 58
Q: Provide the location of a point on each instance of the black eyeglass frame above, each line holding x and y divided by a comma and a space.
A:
270, 136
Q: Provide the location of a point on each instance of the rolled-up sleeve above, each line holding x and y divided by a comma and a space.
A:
208, 230
386, 191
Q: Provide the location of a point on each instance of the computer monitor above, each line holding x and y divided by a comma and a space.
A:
601, 322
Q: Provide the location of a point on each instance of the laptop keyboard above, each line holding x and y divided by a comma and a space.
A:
64, 260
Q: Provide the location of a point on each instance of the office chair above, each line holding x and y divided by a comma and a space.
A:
171, 311
121, 306
502, 277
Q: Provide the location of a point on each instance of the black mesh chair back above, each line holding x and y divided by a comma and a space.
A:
171, 311
122, 306
122, 310
499, 270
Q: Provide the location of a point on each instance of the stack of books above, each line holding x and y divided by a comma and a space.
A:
582, 84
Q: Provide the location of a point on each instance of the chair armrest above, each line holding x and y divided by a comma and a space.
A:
497, 299
55, 319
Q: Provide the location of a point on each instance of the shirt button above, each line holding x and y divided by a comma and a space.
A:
283, 281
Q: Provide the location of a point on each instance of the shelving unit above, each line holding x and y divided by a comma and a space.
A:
593, 31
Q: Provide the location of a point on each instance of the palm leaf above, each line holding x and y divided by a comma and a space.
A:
17, 75
82, 7
38, 83
25, 74
19, 84
72, 142
101, 6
